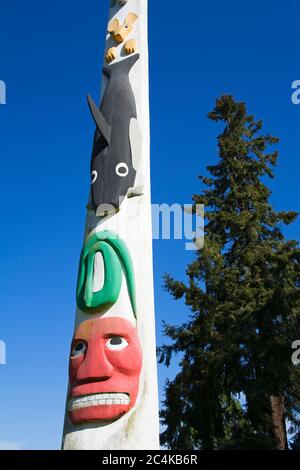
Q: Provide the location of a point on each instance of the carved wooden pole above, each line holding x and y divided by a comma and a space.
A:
112, 401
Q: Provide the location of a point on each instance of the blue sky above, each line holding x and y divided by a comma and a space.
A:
50, 57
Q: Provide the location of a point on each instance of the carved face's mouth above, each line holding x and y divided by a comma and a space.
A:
99, 399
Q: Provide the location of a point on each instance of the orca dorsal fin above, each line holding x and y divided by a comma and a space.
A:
100, 121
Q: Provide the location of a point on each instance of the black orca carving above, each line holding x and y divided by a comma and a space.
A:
118, 2
112, 168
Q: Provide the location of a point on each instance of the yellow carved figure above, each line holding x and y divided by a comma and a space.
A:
111, 54
120, 31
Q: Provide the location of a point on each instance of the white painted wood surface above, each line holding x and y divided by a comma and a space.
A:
139, 429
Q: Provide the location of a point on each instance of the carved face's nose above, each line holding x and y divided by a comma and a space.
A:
118, 37
121, 34
95, 366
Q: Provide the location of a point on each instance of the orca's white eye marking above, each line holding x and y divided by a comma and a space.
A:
122, 170
116, 343
78, 350
94, 176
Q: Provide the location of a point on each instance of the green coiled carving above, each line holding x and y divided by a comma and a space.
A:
116, 259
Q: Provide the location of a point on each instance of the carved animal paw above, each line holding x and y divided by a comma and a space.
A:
130, 46
111, 54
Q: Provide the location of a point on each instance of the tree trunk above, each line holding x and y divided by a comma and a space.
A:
279, 427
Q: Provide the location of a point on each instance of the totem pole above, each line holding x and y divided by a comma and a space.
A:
112, 401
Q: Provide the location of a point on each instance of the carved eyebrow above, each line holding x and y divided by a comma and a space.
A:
122, 335
78, 340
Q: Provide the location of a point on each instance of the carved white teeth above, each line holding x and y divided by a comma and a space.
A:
98, 400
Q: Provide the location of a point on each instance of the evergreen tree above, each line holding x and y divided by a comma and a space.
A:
237, 386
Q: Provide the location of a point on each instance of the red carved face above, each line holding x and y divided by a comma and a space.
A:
105, 367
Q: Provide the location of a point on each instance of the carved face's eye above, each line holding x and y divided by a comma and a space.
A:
116, 343
122, 170
78, 349
94, 176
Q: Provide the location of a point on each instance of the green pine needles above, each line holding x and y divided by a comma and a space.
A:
237, 387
